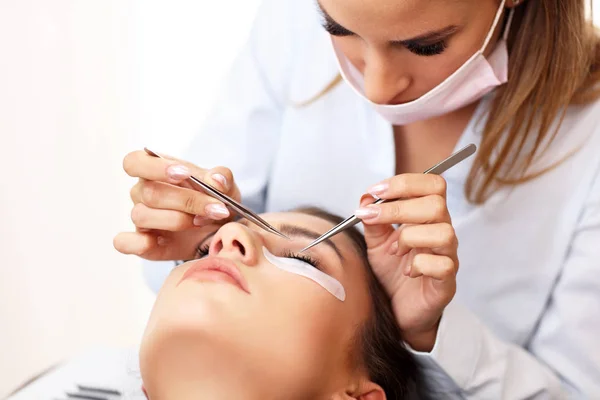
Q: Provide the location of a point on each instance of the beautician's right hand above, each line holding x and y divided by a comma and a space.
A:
168, 214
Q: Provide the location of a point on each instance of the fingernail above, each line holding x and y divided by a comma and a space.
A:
178, 172
200, 220
222, 180
378, 189
408, 270
367, 212
161, 241
217, 211
393, 249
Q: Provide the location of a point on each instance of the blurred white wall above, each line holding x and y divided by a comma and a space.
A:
82, 82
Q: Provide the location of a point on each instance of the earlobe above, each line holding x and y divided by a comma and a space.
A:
366, 391
375, 393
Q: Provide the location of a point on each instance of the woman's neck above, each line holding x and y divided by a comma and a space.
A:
207, 389
202, 370
423, 144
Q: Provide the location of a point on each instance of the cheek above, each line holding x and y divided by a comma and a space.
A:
289, 329
353, 48
301, 326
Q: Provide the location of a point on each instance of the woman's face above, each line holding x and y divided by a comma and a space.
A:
276, 335
405, 48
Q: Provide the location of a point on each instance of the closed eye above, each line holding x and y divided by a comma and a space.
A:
304, 258
335, 29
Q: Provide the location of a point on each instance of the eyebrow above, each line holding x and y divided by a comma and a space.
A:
430, 36
293, 230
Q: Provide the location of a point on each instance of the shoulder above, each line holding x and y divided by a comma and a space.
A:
581, 125
291, 47
578, 137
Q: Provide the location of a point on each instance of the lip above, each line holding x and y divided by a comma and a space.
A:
201, 270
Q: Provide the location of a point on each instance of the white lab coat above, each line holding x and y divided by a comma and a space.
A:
525, 322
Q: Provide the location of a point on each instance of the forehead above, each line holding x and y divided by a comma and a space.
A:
405, 18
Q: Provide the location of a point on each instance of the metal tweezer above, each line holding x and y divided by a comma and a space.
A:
234, 205
437, 169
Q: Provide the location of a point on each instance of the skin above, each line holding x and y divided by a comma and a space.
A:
393, 74
209, 339
417, 263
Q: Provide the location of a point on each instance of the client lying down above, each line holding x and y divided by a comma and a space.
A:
254, 320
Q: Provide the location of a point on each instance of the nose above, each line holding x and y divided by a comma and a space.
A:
237, 242
384, 79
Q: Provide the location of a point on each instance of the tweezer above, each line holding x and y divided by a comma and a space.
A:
234, 205
437, 169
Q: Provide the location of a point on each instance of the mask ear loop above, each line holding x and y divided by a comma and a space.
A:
508, 24
496, 19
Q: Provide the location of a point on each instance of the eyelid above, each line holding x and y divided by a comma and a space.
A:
336, 30
309, 259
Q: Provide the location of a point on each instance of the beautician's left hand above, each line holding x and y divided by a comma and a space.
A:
416, 263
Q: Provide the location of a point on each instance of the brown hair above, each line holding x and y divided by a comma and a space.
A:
381, 352
561, 69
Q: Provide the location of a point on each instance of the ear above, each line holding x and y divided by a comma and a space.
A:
371, 391
366, 391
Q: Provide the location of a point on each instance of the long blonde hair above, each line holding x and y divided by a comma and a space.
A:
554, 62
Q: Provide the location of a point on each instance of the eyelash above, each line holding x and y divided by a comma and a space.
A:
303, 257
335, 30
202, 251
432, 49
427, 50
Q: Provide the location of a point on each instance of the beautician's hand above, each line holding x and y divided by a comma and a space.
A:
167, 212
416, 263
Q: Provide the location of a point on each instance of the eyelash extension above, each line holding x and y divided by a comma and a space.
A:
202, 251
334, 29
428, 50
304, 258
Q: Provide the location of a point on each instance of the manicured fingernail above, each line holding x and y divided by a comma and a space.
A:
393, 249
178, 172
161, 241
200, 220
216, 211
222, 180
378, 189
367, 212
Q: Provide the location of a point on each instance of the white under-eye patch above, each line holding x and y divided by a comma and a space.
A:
306, 270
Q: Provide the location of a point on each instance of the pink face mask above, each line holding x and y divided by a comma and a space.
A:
476, 78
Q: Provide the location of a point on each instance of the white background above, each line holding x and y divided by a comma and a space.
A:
82, 82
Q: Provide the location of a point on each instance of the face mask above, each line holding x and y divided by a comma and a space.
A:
306, 270
476, 78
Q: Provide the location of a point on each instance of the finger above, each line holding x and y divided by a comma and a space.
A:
158, 195
135, 243
376, 235
135, 193
409, 185
145, 217
440, 268
439, 238
421, 210
139, 164
220, 178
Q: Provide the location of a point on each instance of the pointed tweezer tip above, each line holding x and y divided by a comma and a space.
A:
281, 235
307, 247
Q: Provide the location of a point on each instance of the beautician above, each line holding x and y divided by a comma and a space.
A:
329, 101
